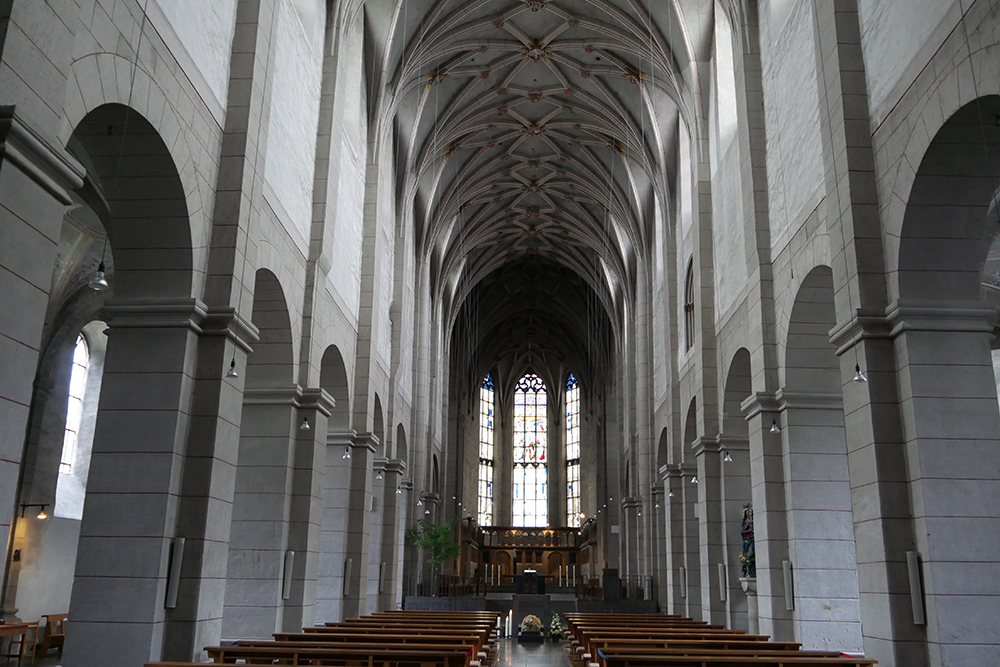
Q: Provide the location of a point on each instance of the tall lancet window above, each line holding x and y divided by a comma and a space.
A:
486, 403
530, 505
573, 515
74, 405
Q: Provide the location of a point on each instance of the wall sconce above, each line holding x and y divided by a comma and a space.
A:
41, 514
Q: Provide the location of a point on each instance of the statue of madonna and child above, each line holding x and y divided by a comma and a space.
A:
747, 556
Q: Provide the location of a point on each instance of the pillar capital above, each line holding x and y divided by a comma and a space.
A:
341, 437
226, 321
809, 400
733, 443
51, 167
287, 395
366, 440
706, 445
155, 313
317, 399
902, 315
758, 404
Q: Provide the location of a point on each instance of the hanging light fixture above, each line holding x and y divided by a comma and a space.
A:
305, 425
774, 426
727, 458
420, 503
694, 480
399, 490
231, 373
378, 475
347, 452
858, 375
670, 495
426, 512
99, 283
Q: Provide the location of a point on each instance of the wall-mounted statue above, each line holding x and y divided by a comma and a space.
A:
747, 556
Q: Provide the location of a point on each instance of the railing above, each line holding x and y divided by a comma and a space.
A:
506, 536
636, 587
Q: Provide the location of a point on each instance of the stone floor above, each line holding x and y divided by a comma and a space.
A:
548, 654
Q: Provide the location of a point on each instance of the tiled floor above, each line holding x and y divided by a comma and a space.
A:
548, 654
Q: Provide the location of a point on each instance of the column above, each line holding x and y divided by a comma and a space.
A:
332, 562
711, 547
736, 494
204, 516
308, 467
827, 613
688, 493
394, 501
261, 506
363, 447
130, 516
951, 426
35, 180
767, 477
673, 516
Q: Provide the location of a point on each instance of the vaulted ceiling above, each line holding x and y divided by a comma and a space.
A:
539, 131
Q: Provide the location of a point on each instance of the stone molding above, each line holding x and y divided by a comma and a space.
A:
759, 403
340, 438
367, 440
706, 445
225, 321
406, 484
288, 395
393, 466
734, 443
432, 498
631, 502
915, 315
163, 313
809, 400
318, 399
51, 167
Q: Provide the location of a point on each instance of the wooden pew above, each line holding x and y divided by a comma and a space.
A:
800, 659
53, 634
382, 656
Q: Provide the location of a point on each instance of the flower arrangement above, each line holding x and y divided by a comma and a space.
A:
749, 561
556, 630
531, 623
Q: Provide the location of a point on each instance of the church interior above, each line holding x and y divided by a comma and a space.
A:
319, 311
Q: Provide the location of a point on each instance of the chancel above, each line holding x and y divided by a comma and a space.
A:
340, 330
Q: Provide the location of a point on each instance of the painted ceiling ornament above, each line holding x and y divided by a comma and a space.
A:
635, 77
535, 5
534, 130
499, 25
536, 53
535, 97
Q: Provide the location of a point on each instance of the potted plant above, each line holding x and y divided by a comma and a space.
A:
436, 540
557, 632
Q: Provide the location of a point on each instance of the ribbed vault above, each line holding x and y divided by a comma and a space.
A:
530, 129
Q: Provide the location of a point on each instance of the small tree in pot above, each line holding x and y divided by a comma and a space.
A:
436, 541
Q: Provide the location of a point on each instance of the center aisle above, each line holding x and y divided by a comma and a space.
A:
548, 654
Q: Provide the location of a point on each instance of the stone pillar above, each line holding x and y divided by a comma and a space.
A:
688, 493
951, 426
827, 613
134, 486
363, 447
204, 517
427, 511
630, 539
308, 468
35, 180
673, 516
331, 565
658, 532
736, 492
407, 568
711, 545
261, 506
767, 476
394, 500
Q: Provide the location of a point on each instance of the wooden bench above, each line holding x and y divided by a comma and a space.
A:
53, 634
342, 656
802, 659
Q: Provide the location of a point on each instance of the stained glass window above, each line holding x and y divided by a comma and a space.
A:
573, 514
74, 405
530, 503
486, 406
